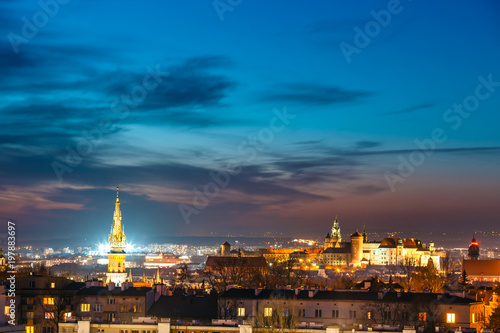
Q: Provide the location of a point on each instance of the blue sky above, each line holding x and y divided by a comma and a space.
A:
219, 84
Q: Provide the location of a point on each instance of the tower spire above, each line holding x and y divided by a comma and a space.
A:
336, 231
116, 257
117, 235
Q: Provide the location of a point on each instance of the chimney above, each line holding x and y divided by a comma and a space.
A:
312, 293
111, 286
126, 285
257, 291
297, 291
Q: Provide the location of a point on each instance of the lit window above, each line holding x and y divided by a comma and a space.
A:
450, 318
7, 310
473, 317
268, 312
85, 307
369, 315
30, 315
241, 312
49, 315
48, 300
52, 285
29, 329
422, 316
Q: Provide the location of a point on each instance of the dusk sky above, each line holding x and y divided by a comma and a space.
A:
386, 114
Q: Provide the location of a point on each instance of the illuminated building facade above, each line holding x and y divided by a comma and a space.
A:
360, 252
334, 238
116, 257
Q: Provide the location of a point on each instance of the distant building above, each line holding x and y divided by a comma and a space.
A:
3, 262
116, 257
225, 250
248, 265
474, 249
360, 252
482, 270
161, 260
376, 284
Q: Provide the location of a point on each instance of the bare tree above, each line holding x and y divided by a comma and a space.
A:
183, 278
407, 278
55, 304
278, 316
343, 282
430, 279
282, 273
447, 266
228, 271
389, 313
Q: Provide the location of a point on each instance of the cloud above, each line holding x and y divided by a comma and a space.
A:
368, 189
367, 144
408, 151
410, 109
308, 142
314, 94
188, 84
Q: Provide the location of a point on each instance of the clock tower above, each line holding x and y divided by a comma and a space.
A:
116, 256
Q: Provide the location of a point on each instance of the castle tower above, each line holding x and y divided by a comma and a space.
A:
225, 249
356, 248
116, 256
336, 236
474, 249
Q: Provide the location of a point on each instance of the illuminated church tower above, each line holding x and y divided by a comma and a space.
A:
334, 238
116, 256
474, 249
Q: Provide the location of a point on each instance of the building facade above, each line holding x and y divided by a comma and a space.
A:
360, 252
354, 309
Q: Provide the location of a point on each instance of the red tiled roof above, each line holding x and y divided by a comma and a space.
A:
482, 267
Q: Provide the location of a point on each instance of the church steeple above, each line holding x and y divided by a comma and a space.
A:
336, 236
116, 257
117, 236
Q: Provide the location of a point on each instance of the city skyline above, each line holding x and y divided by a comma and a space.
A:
250, 118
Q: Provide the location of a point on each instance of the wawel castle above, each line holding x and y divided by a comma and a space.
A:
358, 252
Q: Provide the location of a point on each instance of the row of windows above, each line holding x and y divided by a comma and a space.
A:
318, 313
31, 329
32, 284
85, 307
